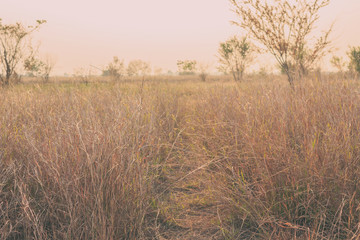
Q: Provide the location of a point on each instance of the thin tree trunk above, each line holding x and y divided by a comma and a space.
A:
7, 78
286, 68
234, 75
290, 79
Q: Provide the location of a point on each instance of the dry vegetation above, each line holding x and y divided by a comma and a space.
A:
180, 160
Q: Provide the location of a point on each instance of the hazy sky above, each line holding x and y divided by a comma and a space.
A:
80, 33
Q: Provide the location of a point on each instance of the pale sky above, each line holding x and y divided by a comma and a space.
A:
79, 33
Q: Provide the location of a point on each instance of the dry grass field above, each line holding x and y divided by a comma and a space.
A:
180, 160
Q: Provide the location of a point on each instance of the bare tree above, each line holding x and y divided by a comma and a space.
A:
13, 47
235, 55
284, 29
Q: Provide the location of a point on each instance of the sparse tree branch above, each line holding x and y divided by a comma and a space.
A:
14, 47
283, 28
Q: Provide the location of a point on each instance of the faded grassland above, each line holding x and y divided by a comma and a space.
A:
180, 160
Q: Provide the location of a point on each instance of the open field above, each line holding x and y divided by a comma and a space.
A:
180, 160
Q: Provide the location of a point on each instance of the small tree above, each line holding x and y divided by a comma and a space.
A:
235, 55
33, 66
338, 63
84, 74
158, 71
138, 68
354, 65
203, 71
48, 66
114, 69
187, 67
14, 47
284, 28
39, 67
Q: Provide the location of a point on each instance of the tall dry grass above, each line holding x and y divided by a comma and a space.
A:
285, 162
81, 162
180, 160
